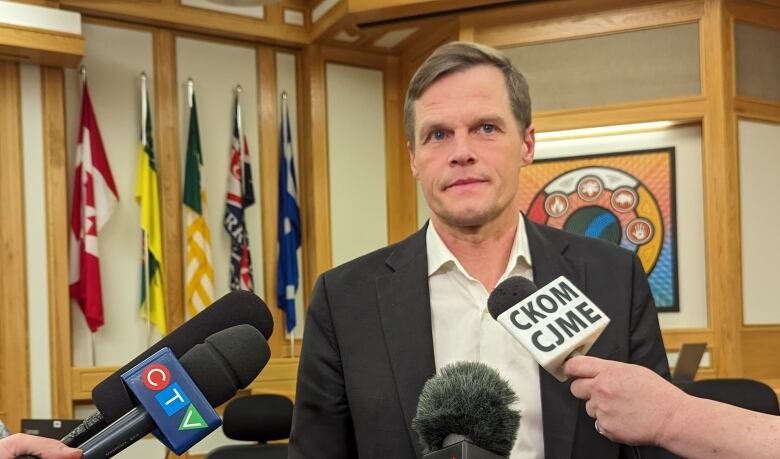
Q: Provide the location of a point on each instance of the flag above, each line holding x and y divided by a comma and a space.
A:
289, 227
200, 274
94, 199
147, 197
240, 195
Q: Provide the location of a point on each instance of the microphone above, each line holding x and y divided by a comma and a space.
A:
552, 323
171, 405
111, 396
466, 407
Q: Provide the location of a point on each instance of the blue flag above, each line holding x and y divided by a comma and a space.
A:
287, 278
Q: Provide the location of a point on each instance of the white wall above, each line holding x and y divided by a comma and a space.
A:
35, 242
216, 69
114, 60
356, 155
759, 169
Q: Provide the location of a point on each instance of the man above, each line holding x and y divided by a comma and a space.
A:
380, 326
635, 406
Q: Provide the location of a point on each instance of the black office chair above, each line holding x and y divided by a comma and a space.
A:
258, 418
744, 393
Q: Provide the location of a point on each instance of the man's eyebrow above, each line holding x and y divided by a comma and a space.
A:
430, 126
490, 119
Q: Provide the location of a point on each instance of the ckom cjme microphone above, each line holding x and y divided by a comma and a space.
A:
170, 404
111, 396
464, 412
553, 323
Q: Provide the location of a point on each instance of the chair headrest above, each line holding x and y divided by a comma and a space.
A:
259, 418
744, 393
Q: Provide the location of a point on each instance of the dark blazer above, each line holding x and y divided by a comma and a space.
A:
368, 347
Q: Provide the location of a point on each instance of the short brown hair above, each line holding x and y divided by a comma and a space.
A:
459, 56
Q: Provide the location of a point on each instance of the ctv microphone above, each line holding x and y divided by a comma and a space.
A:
464, 412
170, 405
552, 323
111, 396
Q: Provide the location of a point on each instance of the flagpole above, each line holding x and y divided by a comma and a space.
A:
145, 255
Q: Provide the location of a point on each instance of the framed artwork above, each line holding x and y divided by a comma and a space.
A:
625, 198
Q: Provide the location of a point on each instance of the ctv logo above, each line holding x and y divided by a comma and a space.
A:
171, 397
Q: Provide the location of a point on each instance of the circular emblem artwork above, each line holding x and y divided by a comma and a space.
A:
624, 198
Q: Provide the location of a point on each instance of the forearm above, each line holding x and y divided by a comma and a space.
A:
703, 428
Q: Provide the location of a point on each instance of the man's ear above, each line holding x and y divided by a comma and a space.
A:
529, 141
412, 158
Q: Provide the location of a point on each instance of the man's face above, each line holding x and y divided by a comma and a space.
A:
468, 148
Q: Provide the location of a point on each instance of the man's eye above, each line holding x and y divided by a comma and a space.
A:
488, 128
437, 135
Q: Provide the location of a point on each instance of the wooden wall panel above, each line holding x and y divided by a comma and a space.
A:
57, 230
14, 377
759, 352
721, 190
168, 158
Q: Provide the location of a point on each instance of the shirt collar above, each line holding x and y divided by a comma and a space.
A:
440, 257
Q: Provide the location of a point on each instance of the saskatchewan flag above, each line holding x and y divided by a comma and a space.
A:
200, 274
147, 197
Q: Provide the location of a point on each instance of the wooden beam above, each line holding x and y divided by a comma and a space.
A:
538, 23
39, 46
55, 162
269, 173
755, 13
401, 186
173, 15
675, 109
720, 163
314, 165
168, 157
14, 348
757, 109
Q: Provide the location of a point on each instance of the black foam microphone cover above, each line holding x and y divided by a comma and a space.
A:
469, 399
226, 362
239, 307
508, 293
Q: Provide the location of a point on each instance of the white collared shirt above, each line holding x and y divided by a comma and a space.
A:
464, 330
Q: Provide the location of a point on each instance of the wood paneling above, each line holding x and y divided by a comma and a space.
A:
504, 31
758, 109
759, 353
314, 165
755, 13
57, 230
676, 109
44, 47
720, 162
168, 156
173, 15
15, 375
401, 189
278, 376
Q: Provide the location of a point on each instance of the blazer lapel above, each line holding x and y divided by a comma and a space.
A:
405, 315
559, 407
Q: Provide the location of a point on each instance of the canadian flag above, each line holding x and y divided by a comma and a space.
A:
94, 200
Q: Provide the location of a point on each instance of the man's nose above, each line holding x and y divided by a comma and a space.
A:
462, 150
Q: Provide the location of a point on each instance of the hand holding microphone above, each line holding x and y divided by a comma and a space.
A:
22, 445
553, 323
